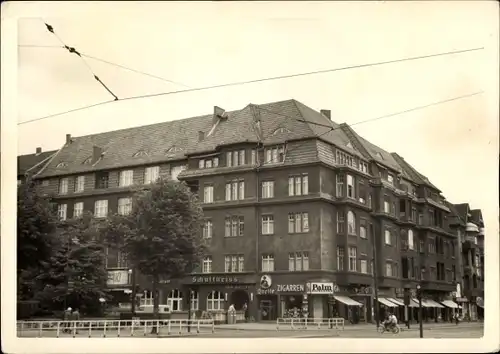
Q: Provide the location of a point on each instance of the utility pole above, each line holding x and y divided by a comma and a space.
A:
419, 296
375, 273
134, 295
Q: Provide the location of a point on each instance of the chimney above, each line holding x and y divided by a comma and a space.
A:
201, 136
68, 138
327, 113
96, 154
219, 113
38, 150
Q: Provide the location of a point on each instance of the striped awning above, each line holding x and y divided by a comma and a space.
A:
433, 303
450, 304
347, 301
424, 304
396, 301
386, 302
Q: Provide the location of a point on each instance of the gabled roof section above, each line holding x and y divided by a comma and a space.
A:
454, 218
415, 175
463, 209
477, 216
29, 163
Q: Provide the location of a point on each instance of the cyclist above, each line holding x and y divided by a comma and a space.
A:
391, 322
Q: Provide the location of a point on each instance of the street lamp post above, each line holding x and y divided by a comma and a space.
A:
419, 297
133, 296
190, 297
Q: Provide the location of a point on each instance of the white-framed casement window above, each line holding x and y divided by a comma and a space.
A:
363, 166
124, 206
387, 237
234, 263
101, 208
268, 263
340, 222
79, 184
195, 300
208, 194
151, 174
298, 222
390, 179
351, 193
411, 242
176, 171
298, 261
362, 232
387, 206
63, 186
339, 185
388, 269
62, 211
274, 154
147, 299
235, 190
298, 185
253, 157
351, 223
78, 209
235, 158
267, 189
174, 300
340, 258
126, 178
207, 264
215, 301
352, 259
207, 229
363, 264
267, 224
234, 226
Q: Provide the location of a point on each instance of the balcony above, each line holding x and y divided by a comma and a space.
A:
472, 228
470, 242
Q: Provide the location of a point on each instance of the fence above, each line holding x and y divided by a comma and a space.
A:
112, 328
310, 323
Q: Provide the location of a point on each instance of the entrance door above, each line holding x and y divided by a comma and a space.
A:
267, 310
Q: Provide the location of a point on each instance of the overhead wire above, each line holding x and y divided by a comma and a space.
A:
237, 83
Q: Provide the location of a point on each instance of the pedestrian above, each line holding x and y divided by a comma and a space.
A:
66, 319
75, 317
457, 318
245, 311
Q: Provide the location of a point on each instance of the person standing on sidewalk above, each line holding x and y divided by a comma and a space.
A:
245, 311
66, 319
75, 316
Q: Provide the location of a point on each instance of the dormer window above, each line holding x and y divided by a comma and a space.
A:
274, 154
87, 161
281, 130
349, 145
174, 150
140, 153
235, 158
62, 165
208, 163
379, 155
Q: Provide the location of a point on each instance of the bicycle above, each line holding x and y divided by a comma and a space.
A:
394, 329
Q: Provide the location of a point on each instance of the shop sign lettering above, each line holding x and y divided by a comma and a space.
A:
320, 288
290, 288
215, 280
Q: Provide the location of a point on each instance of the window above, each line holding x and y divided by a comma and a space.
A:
126, 178
364, 266
411, 242
208, 163
101, 208
298, 185
234, 226
422, 246
151, 174
387, 206
268, 263
363, 166
101, 180
298, 261
298, 222
387, 235
340, 222
340, 186
414, 214
388, 269
19, 182
340, 258
453, 273
267, 225
352, 259
254, 157
215, 301
208, 194
124, 206
62, 210
351, 223
234, 263
63, 186
207, 229
268, 189
274, 154
176, 171
174, 300
116, 258
372, 267
362, 232
78, 209
195, 300
235, 158
79, 184
369, 200
350, 187
432, 246
235, 190
390, 179
343, 158
207, 264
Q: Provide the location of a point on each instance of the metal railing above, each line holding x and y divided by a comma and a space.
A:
310, 323
112, 328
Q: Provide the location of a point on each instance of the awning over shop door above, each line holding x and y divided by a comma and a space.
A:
433, 303
396, 301
423, 303
386, 302
347, 301
450, 304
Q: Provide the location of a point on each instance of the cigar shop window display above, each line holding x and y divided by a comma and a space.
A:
292, 306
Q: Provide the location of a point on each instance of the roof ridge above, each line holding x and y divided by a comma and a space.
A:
413, 171
357, 143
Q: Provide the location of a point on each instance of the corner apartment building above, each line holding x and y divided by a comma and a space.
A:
30, 164
300, 211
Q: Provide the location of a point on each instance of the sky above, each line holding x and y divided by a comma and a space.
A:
455, 144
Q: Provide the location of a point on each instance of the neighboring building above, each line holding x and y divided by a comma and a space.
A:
30, 164
291, 201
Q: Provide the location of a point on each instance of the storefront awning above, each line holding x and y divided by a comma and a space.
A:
347, 301
413, 303
433, 303
450, 304
480, 305
423, 303
396, 301
386, 302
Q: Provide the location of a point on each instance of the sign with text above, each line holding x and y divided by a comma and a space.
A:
214, 279
118, 277
320, 288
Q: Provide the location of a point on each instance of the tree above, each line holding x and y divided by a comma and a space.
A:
162, 234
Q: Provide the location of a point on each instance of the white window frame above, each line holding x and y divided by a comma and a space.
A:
387, 207
175, 300
234, 226
388, 269
340, 258
362, 232
79, 184
215, 301
387, 237
234, 263
351, 190
124, 206
207, 229
298, 222
101, 208
151, 174
339, 185
62, 211
340, 222
207, 265
126, 178
78, 209
253, 158
390, 179
411, 240
267, 189
267, 263
298, 261
208, 194
274, 154
235, 190
63, 185
298, 185
363, 265
176, 171
194, 300
351, 223
267, 223
353, 257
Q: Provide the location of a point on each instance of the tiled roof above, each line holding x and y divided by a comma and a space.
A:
26, 162
411, 171
477, 216
462, 210
454, 217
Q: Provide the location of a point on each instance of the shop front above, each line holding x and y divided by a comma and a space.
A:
319, 298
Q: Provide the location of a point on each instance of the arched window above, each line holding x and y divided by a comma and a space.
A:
351, 223
411, 242
174, 300
215, 301
195, 300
